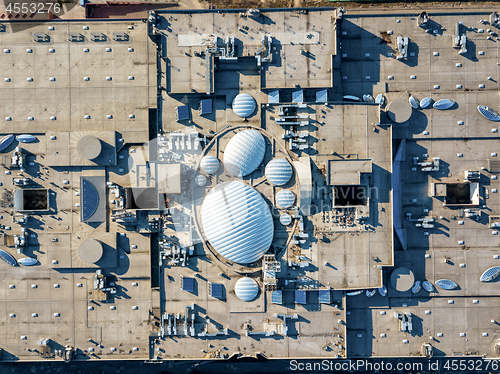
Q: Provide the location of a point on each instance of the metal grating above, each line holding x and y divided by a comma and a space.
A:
7, 258
206, 106
182, 112
488, 113
324, 296
490, 274
277, 297
300, 297
446, 284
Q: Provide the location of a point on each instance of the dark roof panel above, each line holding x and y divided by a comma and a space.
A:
187, 284
182, 112
90, 199
324, 296
300, 297
206, 106
277, 297
216, 290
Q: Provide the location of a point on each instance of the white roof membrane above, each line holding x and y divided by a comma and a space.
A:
244, 153
244, 105
237, 222
246, 289
278, 171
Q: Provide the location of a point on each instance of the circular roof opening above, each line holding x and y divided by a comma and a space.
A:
209, 164
244, 153
237, 222
244, 105
200, 180
399, 110
89, 147
246, 289
285, 198
278, 171
402, 279
91, 251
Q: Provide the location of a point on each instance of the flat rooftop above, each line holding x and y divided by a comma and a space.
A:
369, 194
303, 46
457, 246
58, 90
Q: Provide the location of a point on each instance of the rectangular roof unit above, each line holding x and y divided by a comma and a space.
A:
120, 36
75, 37
98, 37
216, 290
205, 106
274, 97
298, 96
187, 284
325, 296
494, 166
322, 96
182, 112
300, 297
277, 297
41, 37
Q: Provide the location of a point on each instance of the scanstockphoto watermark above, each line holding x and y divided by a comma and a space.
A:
25, 14
343, 366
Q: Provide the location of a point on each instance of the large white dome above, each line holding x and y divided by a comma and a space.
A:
244, 105
246, 289
244, 153
237, 222
278, 171
209, 164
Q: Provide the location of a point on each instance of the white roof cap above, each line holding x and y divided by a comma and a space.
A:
285, 198
237, 222
278, 171
244, 105
244, 153
246, 289
209, 164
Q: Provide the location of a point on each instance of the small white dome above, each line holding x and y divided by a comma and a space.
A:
244, 105
244, 153
246, 289
209, 164
200, 180
285, 198
278, 171
285, 219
